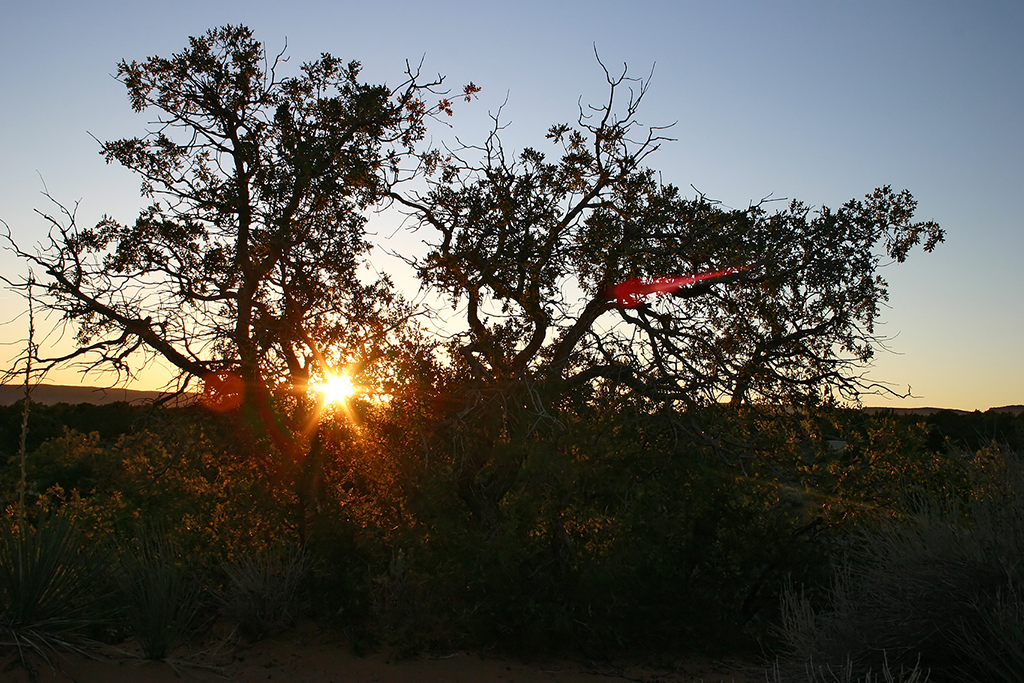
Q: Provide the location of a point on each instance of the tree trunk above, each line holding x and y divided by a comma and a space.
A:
483, 488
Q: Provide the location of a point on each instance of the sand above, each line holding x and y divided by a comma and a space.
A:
325, 659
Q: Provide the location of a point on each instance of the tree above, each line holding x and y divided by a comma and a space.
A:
244, 270
532, 249
248, 258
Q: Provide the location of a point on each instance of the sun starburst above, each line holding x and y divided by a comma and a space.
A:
337, 389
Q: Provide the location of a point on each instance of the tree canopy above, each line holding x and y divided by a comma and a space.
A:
248, 257
533, 249
246, 265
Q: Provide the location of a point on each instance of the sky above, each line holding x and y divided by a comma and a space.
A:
819, 100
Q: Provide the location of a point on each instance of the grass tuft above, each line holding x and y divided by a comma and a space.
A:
938, 586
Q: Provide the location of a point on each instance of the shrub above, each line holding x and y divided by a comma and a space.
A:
933, 585
845, 674
53, 584
262, 592
161, 592
618, 537
998, 647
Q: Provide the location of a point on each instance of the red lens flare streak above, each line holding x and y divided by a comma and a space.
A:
632, 293
223, 391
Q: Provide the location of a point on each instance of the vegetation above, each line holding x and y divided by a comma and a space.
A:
532, 250
563, 472
932, 587
53, 584
244, 271
262, 591
160, 593
623, 535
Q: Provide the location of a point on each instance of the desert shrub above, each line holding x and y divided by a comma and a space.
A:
400, 608
857, 467
54, 584
914, 586
970, 432
70, 461
890, 463
47, 422
262, 591
161, 593
686, 559
619, 535
183, 473
676, 546
362, 526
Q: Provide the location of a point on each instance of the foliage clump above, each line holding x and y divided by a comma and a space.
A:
629, 531
938, 585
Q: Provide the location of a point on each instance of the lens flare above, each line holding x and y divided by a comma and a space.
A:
223, 391
632, 293
337, 389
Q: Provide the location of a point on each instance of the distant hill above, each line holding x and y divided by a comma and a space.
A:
874, 410
1015, 410
50, 394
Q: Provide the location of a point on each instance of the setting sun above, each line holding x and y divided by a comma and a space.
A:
337, 389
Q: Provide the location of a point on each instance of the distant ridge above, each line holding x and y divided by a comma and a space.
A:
1016, 410
57, 393
874, 410
50, 394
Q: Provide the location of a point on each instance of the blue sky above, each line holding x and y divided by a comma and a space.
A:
821, 101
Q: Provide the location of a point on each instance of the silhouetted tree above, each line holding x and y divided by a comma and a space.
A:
248, 256
244, 270
531, 250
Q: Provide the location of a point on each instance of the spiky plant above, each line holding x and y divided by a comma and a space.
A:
845, 674
998, 647
262, 590
53, 585
162, 595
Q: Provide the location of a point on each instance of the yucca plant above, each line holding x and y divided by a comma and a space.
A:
53, 585
262, 590
161, 594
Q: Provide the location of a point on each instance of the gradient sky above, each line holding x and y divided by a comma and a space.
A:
820, 101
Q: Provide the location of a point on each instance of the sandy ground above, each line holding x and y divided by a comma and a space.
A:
298, 659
